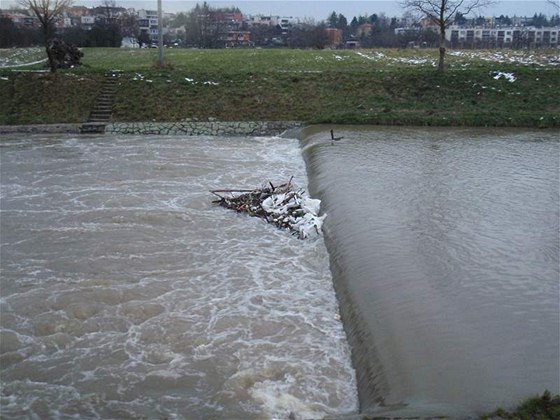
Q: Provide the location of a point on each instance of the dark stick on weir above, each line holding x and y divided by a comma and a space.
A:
333, 138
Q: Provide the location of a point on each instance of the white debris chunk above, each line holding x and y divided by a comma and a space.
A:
308, 225
311, 205
282, 206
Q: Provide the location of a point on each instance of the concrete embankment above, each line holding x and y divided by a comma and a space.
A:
187, 128
40, 128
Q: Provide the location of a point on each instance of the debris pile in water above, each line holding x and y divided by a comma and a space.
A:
283, 206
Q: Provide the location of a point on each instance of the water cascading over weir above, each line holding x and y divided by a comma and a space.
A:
444, 255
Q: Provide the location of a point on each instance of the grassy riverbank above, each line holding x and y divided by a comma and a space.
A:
545, 407
367, 87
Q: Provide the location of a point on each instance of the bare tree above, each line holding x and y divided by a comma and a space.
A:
109, 6
48, 12
442, 13
555, 4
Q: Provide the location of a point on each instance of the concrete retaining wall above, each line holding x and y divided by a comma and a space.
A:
211, 128
41, 128
186, 128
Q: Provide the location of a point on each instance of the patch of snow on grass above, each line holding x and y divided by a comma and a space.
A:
510, 57
510, 77
378, 56
207, 83
11, 66
21, 57
413, 60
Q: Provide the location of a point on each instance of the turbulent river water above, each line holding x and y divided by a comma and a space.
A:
444, 248
127, 294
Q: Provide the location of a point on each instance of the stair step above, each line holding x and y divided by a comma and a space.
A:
102, 108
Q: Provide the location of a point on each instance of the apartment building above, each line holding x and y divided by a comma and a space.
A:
516, 37
148, 23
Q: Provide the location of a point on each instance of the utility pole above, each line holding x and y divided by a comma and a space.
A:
160, 33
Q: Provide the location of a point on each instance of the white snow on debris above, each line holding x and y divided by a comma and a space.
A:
307, 224
510, 77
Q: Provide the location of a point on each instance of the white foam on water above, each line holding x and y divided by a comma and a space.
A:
127, 293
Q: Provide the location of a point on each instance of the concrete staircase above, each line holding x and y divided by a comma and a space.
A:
100, 114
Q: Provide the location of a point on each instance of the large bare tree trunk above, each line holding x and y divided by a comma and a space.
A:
52, 64
48, 49
441, 63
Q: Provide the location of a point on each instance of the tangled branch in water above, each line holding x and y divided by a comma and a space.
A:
283, 206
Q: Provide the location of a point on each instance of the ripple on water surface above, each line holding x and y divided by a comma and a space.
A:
126, 293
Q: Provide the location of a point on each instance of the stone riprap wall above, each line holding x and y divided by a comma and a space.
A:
186, 128
205, 128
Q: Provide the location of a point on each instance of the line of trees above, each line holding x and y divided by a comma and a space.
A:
379, 31
204, 27
12, 35
200, 28
101, 34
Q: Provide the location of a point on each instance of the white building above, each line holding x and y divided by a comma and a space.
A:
148, 23
285, 23
87, 22
518, 37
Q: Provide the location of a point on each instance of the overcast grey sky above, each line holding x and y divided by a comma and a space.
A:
320, 9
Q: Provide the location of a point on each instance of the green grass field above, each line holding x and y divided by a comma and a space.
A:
366, 86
